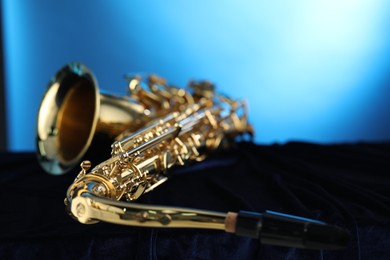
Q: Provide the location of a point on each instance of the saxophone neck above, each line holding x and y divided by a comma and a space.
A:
270, 227
88, 208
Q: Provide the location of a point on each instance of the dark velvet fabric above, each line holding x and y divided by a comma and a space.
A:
346, 185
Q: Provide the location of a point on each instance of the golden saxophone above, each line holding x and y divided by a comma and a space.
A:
169, 126
139, 160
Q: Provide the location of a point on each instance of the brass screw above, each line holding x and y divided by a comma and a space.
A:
80, 210
85, 165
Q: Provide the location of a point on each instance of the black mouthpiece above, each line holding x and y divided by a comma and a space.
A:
280, 229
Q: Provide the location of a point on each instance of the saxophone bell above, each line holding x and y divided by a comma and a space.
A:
73, 114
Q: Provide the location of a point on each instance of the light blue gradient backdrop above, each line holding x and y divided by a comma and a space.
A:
313, 71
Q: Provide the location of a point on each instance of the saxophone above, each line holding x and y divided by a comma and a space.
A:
165, 127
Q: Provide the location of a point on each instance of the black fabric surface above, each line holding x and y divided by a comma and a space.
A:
347, 185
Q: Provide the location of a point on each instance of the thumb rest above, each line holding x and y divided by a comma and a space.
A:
153, 128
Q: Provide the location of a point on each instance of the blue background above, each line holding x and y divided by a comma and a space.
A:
314, 71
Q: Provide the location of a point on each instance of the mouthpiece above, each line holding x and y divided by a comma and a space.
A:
287, 230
